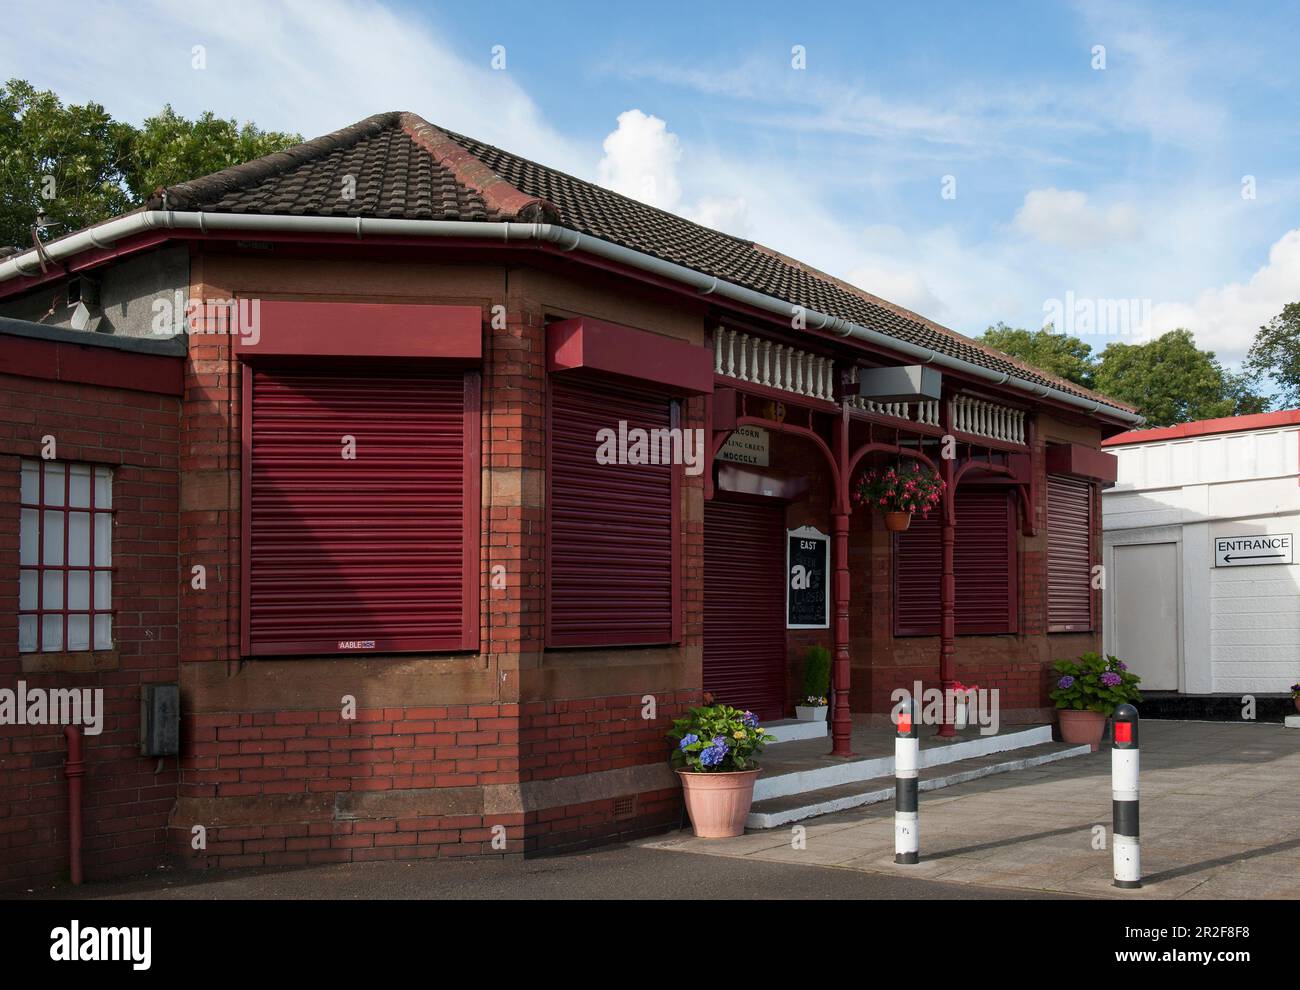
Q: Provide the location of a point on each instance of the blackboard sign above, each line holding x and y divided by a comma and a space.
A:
807, 579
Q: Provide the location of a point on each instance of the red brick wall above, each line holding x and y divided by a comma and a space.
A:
127, 797
273, 774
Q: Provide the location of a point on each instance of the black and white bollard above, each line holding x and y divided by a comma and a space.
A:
1124, 791
907, 747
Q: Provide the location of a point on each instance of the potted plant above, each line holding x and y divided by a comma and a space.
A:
1087, 692
899, 490
714, 757
816, 684
1295, 696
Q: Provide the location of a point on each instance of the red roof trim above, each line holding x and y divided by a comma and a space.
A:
1208, 427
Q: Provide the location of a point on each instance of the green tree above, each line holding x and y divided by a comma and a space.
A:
169, 149
1061, 355
63, 161
1172, 381
1275, 354
78, 166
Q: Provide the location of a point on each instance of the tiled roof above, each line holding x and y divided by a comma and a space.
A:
405, 168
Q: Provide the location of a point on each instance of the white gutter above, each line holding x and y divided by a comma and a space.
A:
106, 234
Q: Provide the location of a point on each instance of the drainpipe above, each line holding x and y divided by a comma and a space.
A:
74, 769
106, 234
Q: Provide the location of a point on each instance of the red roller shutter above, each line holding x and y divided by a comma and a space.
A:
984, 567
1069, 554
744, 606
373, 553
612, 528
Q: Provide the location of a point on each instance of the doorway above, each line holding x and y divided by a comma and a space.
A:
744, 605
1147, 633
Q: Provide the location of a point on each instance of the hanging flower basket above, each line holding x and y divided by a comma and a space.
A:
898, 491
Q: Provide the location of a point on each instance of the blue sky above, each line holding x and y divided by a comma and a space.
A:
1074, 185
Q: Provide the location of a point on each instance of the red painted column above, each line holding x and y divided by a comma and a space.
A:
841, 718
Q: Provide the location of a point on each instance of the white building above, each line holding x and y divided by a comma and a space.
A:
1202, 582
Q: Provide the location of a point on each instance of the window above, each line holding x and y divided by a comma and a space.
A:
361, 510
611, 527
65, 557
1069, 554
984, 568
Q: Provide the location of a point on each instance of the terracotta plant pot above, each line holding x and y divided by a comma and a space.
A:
718, 803
1082, 727
896, 522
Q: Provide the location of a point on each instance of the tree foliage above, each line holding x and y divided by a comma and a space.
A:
78, 166
1061, 355
1173, 381
1169, 379
1275, 355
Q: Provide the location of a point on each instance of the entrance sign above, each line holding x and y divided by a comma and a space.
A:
807, 579
747, 445
1248, 551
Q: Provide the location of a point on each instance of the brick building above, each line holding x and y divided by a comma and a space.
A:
369, 409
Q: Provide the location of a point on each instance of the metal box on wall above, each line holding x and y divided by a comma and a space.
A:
160, 720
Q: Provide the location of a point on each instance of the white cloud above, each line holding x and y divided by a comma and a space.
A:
641, 159
1225, 319
309, 66
1065, 217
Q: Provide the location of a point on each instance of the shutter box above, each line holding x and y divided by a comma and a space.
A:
376, 553
612, 529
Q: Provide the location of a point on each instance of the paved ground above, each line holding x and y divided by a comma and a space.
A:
1220, 819
609, 873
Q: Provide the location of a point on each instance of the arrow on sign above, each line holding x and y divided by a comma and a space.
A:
1229, 558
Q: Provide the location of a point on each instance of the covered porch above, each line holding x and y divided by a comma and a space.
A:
815, 403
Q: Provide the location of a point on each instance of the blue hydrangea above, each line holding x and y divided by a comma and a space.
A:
750, 720
712, 756
687, 739
1065, 683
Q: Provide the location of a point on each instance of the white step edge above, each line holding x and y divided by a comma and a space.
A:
793, 729
1293, 721
832, 775
773, 819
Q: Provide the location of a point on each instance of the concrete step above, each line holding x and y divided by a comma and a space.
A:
792, 730
783, 774
772, 812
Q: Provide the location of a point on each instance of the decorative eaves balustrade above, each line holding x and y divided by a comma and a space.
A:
747, 358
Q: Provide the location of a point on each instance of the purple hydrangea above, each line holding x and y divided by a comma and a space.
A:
687, 739
750, 720
1111, 679
1121, 665
1065, 683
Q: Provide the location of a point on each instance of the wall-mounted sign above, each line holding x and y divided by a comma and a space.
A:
807, 579
747, 445
1248, 551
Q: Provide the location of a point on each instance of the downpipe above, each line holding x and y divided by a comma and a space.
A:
74, 768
